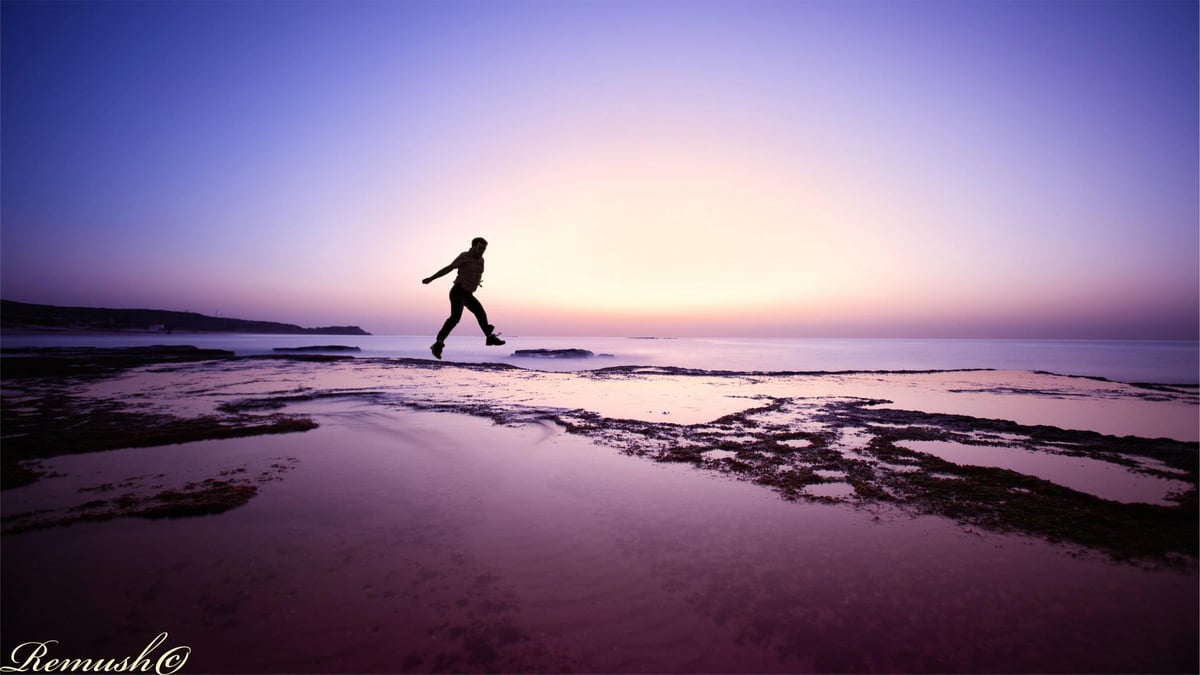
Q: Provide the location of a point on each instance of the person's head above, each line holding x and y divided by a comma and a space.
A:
478, 245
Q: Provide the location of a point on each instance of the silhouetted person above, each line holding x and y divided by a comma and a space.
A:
462, 294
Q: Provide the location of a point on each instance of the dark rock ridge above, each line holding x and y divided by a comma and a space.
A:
21, 315
554, 353
92, 362
319, 348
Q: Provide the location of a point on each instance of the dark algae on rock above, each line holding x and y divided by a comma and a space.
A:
43, 415
881, 471
93, 362
859, 451
319, 348
573, 353
147, 497
797, 445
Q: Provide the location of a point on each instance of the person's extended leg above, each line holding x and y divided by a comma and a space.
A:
456, 308
473, 304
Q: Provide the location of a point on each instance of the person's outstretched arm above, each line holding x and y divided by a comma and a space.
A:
441, 273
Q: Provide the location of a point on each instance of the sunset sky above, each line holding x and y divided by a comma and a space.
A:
841, 169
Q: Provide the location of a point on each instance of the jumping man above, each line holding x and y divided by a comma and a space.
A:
462, 294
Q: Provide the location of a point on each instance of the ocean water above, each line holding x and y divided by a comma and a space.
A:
1163, 362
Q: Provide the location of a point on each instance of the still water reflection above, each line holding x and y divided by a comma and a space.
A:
404, 541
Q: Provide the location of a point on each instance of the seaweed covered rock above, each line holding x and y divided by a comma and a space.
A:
574, 353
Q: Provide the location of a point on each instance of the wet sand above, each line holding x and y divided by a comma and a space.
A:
441, 518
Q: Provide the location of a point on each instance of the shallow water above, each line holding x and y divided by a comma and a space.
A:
1166, 362
664, 397
680, 407
407, 541
485, 538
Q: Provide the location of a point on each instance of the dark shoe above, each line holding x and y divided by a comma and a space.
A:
493, 341
436, 348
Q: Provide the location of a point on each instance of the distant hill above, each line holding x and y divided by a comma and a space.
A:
21, 315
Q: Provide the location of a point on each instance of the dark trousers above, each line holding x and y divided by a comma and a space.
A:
460, 298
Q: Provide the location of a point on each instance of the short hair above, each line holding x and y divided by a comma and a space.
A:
479, 240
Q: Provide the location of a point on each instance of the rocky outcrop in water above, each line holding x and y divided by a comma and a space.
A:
320, 348
554, 353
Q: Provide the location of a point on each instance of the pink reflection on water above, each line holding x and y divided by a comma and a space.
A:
426, 542
405, 541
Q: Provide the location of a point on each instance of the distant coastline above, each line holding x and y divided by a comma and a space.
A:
22, 317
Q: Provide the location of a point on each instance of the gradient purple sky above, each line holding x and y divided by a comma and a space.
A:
906, 169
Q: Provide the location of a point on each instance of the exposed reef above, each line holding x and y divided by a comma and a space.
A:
847, 450
854, 450
319, 348
93, 362
148, 497
43, 415
573, 353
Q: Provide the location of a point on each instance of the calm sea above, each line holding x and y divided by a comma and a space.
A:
1166, 362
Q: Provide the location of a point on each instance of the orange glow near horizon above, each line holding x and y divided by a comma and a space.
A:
669, 231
